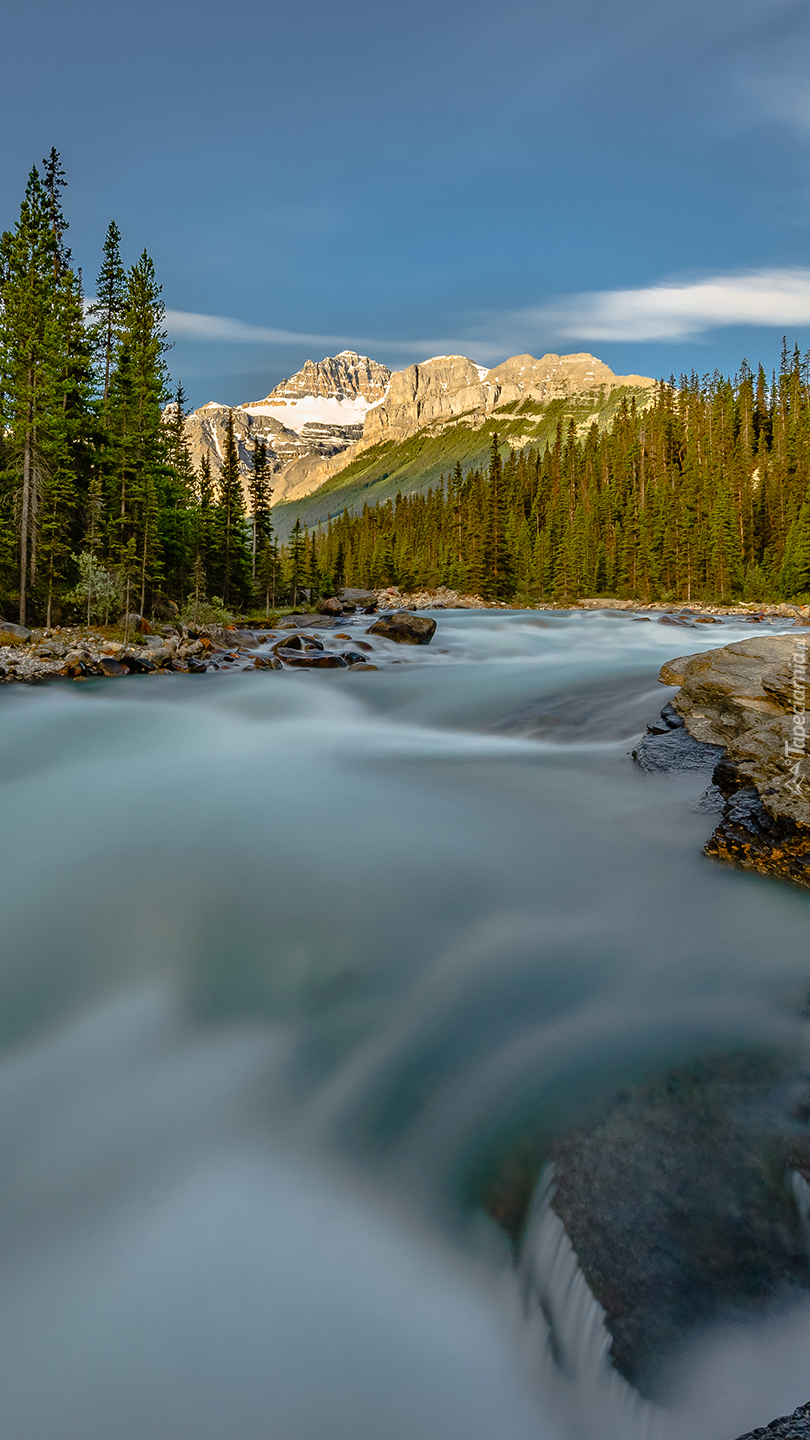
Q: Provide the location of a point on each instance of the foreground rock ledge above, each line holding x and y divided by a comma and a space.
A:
791, 1427
751, 698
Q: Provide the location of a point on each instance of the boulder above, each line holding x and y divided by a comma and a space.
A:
108, 666
332, 606
10, 632
405, 628
298, 643
363, 665
354, 657
165, 610
360, 599
136, 664
677, 1199
136, 623
195, 666
266, 662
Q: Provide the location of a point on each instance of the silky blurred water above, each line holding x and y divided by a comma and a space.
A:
286, 958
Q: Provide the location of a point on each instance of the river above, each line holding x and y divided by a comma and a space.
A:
285, 959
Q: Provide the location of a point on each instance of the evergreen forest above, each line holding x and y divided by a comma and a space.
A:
701, 495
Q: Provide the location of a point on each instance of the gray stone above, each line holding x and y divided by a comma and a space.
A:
405, 628
13, 632
675, 750
359, 598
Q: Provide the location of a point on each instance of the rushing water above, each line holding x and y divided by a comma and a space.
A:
286, 957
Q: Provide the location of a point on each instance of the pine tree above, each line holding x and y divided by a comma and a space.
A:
108, 307
259, 493
235, 556
39, 302
138, 450
297, 560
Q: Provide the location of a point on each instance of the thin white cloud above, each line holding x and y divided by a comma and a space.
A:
672, 311
185, 325
669, 310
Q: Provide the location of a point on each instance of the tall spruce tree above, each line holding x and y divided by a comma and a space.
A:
297, 560
40, 340
235, 560
107, 309
260, 493
138, 441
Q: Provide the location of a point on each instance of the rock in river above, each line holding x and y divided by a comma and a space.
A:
750, 699
312, 659
405, 628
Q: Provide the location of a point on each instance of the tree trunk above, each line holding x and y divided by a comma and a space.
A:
24, 519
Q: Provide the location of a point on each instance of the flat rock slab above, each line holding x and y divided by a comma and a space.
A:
305, 622
790, 1427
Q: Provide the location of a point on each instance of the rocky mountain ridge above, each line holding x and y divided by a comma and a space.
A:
324, 418
312, 416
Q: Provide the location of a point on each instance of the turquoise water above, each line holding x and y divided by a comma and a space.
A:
286, 958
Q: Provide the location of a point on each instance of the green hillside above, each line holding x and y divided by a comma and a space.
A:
414, 464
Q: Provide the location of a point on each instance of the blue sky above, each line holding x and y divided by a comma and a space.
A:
631, 179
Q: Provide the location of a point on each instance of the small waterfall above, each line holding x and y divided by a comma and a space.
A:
567, 1330
801, 1191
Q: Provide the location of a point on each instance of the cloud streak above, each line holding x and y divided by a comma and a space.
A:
219, 329
672, 311
668, 311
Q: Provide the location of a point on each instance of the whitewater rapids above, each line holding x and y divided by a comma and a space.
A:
285, 959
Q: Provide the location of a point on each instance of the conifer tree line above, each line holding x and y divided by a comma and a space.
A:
701, 496
100, 505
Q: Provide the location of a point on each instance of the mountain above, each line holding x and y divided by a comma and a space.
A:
347, 430
447, 410
314, 415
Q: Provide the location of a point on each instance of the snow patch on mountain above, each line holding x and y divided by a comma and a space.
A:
294, 414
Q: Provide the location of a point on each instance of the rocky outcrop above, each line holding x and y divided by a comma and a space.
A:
681, 1202
790, 1427
751, 699
344, 377
443, 389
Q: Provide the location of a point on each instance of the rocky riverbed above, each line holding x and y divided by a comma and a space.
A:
294, 642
